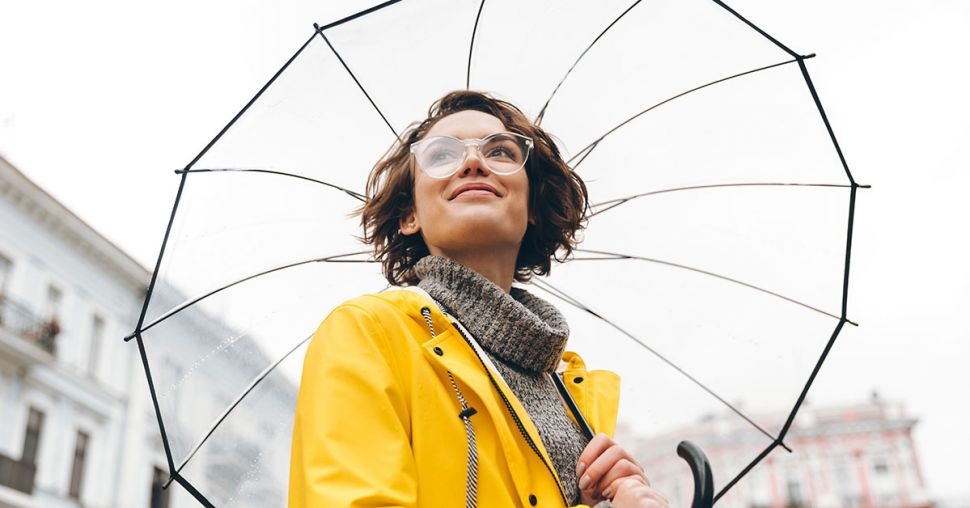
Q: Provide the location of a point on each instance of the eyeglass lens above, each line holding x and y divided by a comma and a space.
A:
501, 153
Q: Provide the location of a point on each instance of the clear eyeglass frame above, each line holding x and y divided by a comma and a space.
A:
502, 153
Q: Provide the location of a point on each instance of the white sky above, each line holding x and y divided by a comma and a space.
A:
100, 101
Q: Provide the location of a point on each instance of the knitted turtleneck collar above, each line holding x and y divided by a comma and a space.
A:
518, 328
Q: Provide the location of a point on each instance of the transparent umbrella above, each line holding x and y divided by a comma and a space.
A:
713, 276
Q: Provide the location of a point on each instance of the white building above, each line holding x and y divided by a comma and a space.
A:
77, 427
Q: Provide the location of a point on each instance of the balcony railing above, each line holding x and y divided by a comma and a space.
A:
17, 475
22, 322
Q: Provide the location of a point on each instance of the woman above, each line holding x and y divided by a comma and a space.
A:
444, 392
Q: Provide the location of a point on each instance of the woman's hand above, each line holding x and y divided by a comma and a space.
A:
607, 471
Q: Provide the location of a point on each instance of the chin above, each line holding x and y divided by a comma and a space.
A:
481, 234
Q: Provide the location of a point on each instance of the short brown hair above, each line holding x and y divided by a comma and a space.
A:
557, 196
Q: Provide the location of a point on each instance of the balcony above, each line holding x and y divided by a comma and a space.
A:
18, 321
17, 475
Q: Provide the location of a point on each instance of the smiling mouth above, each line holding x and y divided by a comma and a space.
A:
474, 190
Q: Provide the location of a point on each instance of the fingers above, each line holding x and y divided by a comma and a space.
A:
632, 494
602, 465
596, 446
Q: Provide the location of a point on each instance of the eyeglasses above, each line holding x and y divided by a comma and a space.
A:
502, 153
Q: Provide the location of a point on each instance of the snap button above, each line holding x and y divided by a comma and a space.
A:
532, 500
437, 350
577, 380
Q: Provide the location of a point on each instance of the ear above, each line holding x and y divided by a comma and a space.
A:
409, 224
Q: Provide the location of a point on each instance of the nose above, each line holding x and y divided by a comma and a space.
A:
473, 162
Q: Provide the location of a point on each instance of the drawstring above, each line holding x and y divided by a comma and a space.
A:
471, 481
471, 475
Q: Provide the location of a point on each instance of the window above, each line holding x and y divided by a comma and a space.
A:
45, 335
77, 468
35, 420
6, 267
881, 467
97, 337
794, 488
53, 304
159, 494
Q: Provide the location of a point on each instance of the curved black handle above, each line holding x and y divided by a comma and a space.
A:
703, 478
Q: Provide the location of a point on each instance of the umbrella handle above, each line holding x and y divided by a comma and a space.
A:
701, 469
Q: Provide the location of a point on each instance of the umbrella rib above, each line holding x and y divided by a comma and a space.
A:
757, 29
764, 453
542, 112
356, 195
154, 396
339, 258
359, 84
185, 484
613, 203
358, 15
589, 148
615, 256
825, 119
258, 379
178, 195
562, 295
471, 47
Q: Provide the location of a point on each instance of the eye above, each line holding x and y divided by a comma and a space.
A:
502, 148
441, 151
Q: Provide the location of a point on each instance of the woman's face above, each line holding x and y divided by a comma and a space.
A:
473, 209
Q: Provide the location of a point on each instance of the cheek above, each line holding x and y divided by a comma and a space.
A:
421, 195
526, 202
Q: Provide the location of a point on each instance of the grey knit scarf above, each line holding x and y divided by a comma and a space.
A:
525, 337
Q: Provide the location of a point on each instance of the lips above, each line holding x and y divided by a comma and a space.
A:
473, 187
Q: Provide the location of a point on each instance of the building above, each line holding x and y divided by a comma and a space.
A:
854, 456
77, 426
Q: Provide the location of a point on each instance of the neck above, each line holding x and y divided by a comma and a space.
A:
497, 266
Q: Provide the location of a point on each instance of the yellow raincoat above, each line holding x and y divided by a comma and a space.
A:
377, 418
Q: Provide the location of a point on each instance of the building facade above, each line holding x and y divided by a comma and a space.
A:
77, 426
854, 456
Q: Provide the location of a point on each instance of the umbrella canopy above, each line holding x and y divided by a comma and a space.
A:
713, 275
